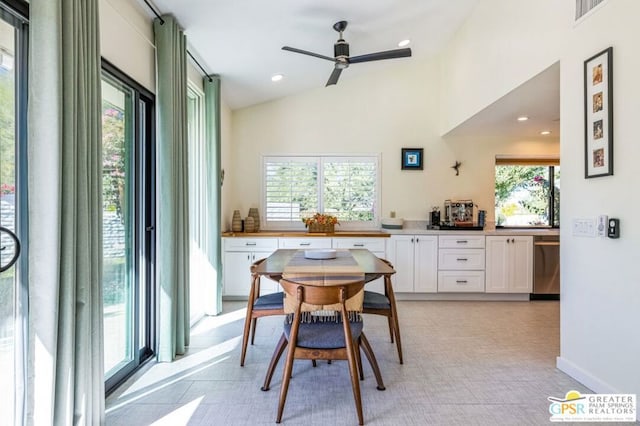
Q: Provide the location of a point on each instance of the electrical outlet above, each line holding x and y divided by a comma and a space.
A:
584, 227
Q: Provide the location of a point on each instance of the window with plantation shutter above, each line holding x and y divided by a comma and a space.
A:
585, 6
299, 186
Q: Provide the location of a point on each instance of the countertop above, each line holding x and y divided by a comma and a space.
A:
500, 231
384, 233
303, 234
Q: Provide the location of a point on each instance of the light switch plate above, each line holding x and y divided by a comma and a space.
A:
584, 227
602, 225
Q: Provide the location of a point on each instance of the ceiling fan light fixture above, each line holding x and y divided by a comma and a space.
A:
404, 43
277, 77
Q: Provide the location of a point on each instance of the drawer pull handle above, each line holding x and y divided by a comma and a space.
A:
462, 259
305, 244
358, 245
250, 244
461, 281
462, 241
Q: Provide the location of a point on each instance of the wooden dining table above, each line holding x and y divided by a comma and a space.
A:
371, 265
366, 262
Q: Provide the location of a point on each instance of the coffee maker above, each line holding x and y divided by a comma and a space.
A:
458, 212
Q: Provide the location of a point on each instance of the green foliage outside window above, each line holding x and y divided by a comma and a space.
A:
523, 195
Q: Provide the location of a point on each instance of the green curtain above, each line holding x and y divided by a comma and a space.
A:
172, 203
212, 140
66, 361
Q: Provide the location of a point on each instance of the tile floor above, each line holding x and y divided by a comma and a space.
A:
465, 363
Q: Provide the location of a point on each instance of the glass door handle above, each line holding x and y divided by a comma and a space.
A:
16, 251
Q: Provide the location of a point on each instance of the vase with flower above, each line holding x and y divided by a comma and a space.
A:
321, 222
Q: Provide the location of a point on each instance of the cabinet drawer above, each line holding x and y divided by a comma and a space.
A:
460, 281
304, 243
371, 244
250, 244
461, 241
454, 259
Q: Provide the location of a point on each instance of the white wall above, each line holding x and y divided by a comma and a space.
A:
377, 113
500, 46
126, 40
600, 320
600, 284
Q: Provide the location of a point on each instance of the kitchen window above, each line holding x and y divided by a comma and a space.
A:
527, 192
299, 186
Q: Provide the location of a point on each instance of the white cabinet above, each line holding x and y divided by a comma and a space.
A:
239, 254
509, 264
415, 259
461, 263
376, 246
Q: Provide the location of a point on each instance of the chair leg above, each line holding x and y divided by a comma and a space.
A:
254, 323
288, 366
359, 360
390, 321
245, 334
353, 367
247, 320
394, 313
282, 343
366, 347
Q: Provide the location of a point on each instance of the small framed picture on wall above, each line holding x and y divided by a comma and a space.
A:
412, 158
598, 114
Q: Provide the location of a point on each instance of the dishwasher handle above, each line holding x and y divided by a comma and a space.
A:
546, 243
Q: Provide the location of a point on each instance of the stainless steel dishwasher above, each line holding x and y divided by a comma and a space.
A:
546, 267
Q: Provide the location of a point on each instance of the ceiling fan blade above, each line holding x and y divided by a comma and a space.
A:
387, 54
305, 52
333, 78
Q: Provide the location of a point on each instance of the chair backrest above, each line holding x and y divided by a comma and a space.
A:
316, 298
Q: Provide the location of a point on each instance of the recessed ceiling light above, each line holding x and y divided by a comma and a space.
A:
277, 77
404, 43
523, 118
545, 132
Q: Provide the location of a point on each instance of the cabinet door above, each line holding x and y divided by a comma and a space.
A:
521, 264
400, 254
497, 275
425, 276
236, 272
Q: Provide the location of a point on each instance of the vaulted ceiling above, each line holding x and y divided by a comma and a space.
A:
242, 40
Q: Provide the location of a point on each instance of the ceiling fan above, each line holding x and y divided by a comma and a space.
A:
341, 53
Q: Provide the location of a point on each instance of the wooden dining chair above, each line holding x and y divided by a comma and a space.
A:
259, 306
385, 304
336, 337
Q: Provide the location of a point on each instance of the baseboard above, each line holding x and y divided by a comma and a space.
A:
584, 377
504, 297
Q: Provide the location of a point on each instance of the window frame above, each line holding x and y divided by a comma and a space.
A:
144, 223
550, 162
16, 13
320, 159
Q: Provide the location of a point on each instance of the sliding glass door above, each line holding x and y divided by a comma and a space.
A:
13, 293
128, 226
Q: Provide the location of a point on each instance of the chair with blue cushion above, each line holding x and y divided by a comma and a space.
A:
322, 335
259, 306
384, 304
